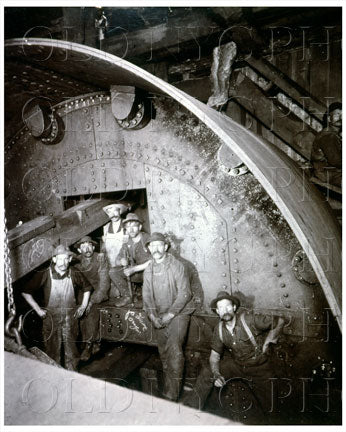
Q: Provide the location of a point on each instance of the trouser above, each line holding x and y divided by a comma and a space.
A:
170, 342
258, 378
60, 329
120, 282
90, 325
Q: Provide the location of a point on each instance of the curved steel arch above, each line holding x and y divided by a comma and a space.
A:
309, 217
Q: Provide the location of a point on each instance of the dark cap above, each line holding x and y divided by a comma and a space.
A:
224, 295
334, 106
132, 217
85, 239
156, 236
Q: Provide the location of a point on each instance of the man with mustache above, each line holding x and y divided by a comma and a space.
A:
167, 302
65, 293
240, 349
131, 261
94, 267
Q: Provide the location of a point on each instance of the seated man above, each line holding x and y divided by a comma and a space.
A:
244, 339
94, 267
326, 152
66, 294
132, 259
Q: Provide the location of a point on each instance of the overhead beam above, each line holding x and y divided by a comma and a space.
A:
288, 86
32, 243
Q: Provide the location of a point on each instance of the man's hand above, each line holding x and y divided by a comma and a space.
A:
79, 312
129, 271
123, 262
41, 313
219, 380
167, 318
87, 310
156, 321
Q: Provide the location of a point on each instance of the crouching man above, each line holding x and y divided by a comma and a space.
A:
240, 349
66, 294
166, 300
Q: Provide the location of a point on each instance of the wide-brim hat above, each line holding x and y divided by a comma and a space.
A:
62, 250
156, 236
85, 239
120, 206
132, 217
224, 295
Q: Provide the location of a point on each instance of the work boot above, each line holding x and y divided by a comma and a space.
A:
85, 356
123, 301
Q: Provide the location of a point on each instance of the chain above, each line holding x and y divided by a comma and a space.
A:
8, 274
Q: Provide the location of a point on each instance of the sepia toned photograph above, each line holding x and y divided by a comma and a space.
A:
172, 207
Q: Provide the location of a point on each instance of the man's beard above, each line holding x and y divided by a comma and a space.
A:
226, 317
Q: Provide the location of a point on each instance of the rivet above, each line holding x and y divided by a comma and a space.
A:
287, 305
285, 295
219, 201
147, 169
236, 260
275, 264
160, 180
224, 274
278, 274
282, 285
222, 239
234, 240
224, 286
71, 160
93, 180
237, 281
95, 187
235, 250
192, 226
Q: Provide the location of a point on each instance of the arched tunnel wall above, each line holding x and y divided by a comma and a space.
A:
227, 226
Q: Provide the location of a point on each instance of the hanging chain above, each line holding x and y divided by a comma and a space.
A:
8, 274
11, 329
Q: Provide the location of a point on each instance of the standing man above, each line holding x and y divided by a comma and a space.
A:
94, 267
113, 232
132, 259
66, 294
326, 152
166, 297
113, 238
243, 339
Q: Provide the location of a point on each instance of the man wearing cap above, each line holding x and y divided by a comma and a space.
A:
94, 267
240, 348
167, 302
326, 151
65, 292
132, 259
113, 232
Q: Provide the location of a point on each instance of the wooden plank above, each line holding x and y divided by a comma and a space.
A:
28, 230
288, 86
250, 97
39, 242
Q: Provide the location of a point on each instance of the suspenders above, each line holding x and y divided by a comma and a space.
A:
246, 328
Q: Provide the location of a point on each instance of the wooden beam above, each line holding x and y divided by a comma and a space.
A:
246, 94
32, 243
292, 89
